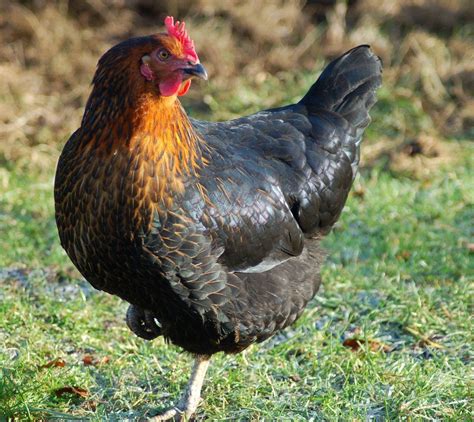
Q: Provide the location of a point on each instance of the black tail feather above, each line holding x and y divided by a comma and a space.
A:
347, 86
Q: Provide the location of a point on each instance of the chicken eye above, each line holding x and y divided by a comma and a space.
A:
163, 54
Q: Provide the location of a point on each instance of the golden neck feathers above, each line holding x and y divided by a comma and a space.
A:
152, 135
163, 128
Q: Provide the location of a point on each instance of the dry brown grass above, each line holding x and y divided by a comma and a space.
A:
50, 49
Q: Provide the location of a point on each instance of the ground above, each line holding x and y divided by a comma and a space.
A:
389, 335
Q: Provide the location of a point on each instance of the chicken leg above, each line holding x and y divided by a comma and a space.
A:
192, 394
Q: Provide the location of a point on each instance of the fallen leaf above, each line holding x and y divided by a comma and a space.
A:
355, 344
88, 360
352, 344
376, 346
91, 360
77, 391
57, 363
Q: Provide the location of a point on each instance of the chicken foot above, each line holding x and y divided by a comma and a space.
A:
192, 394
142, 323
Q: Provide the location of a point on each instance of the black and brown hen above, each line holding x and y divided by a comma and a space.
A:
209, 230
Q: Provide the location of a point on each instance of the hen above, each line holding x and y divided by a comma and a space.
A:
209, 230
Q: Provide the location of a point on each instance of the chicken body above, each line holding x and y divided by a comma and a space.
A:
212, 229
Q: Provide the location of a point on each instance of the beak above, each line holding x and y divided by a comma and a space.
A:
197, 70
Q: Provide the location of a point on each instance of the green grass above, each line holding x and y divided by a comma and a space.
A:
398, 275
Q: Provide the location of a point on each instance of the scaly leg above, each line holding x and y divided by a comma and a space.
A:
190, 399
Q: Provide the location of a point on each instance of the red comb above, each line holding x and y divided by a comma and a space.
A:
178, 31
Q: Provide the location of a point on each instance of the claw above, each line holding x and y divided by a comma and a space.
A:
173, 413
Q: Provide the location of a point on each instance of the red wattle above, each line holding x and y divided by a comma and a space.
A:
184, 88
170, 86
174, 85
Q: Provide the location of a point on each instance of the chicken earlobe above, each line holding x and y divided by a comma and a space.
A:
192, 394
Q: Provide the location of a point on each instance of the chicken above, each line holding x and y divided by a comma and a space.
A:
209, 230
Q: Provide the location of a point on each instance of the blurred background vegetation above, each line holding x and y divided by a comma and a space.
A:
389, 336
255, 59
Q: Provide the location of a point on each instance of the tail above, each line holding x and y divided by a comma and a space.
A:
347, 87
337, 107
